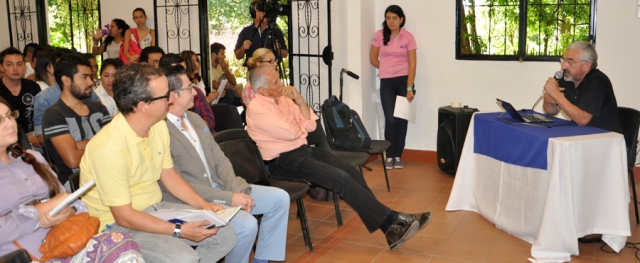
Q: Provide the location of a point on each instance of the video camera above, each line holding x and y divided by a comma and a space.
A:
271, 8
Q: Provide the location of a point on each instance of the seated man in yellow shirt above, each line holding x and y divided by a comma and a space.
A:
128, 157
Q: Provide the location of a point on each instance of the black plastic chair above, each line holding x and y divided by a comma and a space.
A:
226, 116
74, 181
318, 138
18, 256
630, 122
23, 140
248, 164
376, 147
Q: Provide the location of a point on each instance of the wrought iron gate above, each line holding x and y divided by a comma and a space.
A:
24, 18
311, 54
179, 31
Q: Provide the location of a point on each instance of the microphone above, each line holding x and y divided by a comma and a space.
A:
351, 74
558, 75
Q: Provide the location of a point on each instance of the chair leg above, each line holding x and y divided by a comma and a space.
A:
366, 167
635, 195
336, 203
303, 222
386, 176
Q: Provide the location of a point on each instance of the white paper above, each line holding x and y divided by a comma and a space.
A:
218, 219
223, 84
405, 109
71, 198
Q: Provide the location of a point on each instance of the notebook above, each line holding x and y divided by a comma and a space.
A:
528, 117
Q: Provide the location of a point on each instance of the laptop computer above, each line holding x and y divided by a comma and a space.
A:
528, 118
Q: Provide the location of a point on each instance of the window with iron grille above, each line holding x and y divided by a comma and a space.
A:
524, 30
72, 23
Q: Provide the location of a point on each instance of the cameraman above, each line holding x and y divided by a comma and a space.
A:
257, 35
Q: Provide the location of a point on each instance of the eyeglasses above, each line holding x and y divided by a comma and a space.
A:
149, 100
273, 61
11, 114
190, 89
570, 63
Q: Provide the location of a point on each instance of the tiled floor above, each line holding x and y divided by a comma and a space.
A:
459, 236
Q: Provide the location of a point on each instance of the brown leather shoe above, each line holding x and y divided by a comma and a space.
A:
422, 218
403, 229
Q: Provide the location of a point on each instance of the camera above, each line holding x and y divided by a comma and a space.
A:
271, 8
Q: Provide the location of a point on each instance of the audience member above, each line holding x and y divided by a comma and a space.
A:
22, 211
262, 56
94, 66
152, 55
29, 63
194, 153
201, 103
114, 39
140, 35
220, 71
48, 97
129, 158
19, 92
256, 36
193, 69
585, 94
104, 90
279, 120
70, 123
44, 68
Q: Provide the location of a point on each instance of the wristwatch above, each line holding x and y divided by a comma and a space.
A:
176, 231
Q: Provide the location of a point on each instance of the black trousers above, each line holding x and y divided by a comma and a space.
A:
325, 169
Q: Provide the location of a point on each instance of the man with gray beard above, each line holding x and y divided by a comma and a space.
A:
585, 94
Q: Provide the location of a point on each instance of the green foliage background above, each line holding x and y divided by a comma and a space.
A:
491, 27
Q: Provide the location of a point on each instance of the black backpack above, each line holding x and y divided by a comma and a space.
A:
345, 127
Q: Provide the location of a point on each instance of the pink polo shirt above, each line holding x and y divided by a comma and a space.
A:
394, 57
277, 128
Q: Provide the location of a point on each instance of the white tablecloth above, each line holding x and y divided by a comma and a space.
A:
583, 191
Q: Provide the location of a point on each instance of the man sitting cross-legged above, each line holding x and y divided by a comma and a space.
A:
279, 120
198, 158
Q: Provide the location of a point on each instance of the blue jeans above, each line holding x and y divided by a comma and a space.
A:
395, 129
167, 249
273, 204
325, 169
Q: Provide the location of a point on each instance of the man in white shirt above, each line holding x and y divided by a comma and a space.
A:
220, 71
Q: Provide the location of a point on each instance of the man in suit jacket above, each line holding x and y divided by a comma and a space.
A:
199, 160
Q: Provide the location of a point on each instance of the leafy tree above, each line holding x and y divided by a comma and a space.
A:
82, 19
231, 16
492, 27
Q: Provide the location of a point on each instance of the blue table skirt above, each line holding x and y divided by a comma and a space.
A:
519, 144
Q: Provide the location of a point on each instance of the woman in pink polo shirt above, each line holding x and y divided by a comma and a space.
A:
393, 51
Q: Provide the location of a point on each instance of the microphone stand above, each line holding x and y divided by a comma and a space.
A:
351, 74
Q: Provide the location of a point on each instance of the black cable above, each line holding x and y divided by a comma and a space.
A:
627, 245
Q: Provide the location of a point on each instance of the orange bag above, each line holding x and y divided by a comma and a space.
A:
69, 237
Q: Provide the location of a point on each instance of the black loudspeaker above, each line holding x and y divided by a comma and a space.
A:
452, 130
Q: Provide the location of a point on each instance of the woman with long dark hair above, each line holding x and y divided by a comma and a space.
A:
44, 68
140, 35
393, 52
112, 43
29, 190
104, 89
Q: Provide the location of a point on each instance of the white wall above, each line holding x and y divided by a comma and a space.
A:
5, 41
442, 79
